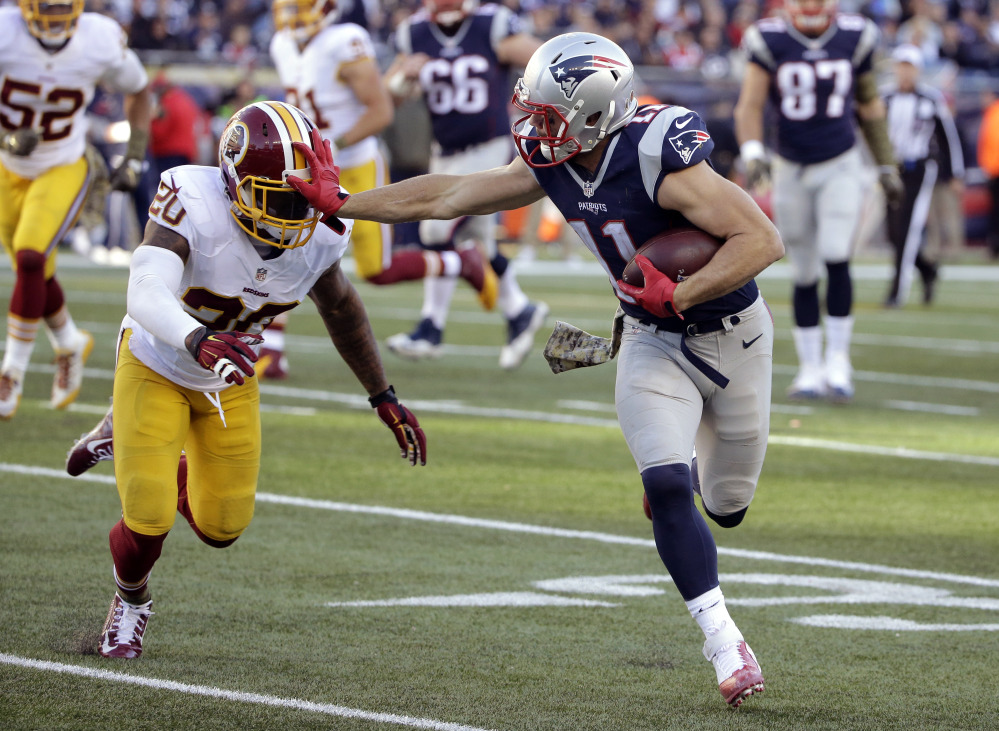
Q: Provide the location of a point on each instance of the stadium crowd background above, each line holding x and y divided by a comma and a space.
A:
686, 50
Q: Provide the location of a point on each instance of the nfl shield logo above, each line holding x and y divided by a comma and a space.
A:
588, 189
261, 274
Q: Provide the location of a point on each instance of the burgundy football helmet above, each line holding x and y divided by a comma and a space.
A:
256, 157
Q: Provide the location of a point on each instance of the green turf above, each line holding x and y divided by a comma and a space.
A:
254, 618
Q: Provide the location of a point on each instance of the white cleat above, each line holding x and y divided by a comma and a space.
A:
808, 385
11, 385
520, 335
425, 342
69, 371
839, 379
738, 673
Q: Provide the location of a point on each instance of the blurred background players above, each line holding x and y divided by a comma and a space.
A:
459, 55
329, 71
917, 116
817, 66
52, 55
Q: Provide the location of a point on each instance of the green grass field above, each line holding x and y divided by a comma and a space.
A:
512, 584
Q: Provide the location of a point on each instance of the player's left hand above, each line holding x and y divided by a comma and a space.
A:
656, 295
125, 177
412, 441
891, 184
323, 192
20, 142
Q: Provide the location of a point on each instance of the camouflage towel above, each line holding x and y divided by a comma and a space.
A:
569, 347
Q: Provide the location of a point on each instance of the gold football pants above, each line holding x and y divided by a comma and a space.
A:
35, 215
371, 241
154, 419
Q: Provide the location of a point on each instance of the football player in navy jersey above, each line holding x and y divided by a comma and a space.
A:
459, 55
695, 355
816, 66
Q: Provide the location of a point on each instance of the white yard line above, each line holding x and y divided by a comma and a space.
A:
236, 696
541, 530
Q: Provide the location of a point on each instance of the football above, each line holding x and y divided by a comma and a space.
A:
677, 253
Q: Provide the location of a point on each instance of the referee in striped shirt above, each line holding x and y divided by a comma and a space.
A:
917, 116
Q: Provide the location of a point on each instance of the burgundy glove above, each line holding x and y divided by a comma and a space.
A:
225, 354
412, 440
324, 191
656, 295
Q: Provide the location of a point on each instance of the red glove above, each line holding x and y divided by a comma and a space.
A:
412, 440
656, 295
324, 191
225, 354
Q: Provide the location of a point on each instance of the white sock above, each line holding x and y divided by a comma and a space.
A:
451, 263
20, 344
437, 294
808, 345
512, 299
62, 331
709, 611
839, 333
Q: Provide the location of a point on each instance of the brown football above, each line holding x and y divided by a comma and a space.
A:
677, 253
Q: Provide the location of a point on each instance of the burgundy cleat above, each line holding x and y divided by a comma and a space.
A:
93, 447
124, 628
738, 672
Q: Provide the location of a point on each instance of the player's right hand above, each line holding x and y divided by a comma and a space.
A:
757, 174
225, 354
20, 142
656, 295
323, 192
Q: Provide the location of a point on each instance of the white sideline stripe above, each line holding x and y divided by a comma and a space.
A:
933, 408
901, 452
464, 521
297, 704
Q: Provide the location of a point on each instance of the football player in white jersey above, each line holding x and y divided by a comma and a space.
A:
202, 287
52, 55
695, 358
328, 69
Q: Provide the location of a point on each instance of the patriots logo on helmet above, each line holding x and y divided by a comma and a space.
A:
570, 73
687, 143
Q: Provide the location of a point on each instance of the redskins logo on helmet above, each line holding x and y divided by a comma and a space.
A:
576, 90
450, 12
52, 23
303, 18
256, 156
811, 17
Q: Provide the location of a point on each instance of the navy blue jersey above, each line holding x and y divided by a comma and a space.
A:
812, 82
614, 210
466, 88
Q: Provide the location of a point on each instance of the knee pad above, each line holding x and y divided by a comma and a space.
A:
727, 521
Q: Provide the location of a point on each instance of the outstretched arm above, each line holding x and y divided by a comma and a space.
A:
436, 197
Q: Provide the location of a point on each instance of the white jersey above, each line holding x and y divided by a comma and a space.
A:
50, 92
311, 80
225, 285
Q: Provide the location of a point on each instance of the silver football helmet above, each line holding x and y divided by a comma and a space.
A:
577, 89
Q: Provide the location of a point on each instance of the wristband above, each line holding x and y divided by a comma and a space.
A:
388, 395
752, 150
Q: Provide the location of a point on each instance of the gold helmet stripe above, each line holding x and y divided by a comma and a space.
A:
291, 125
